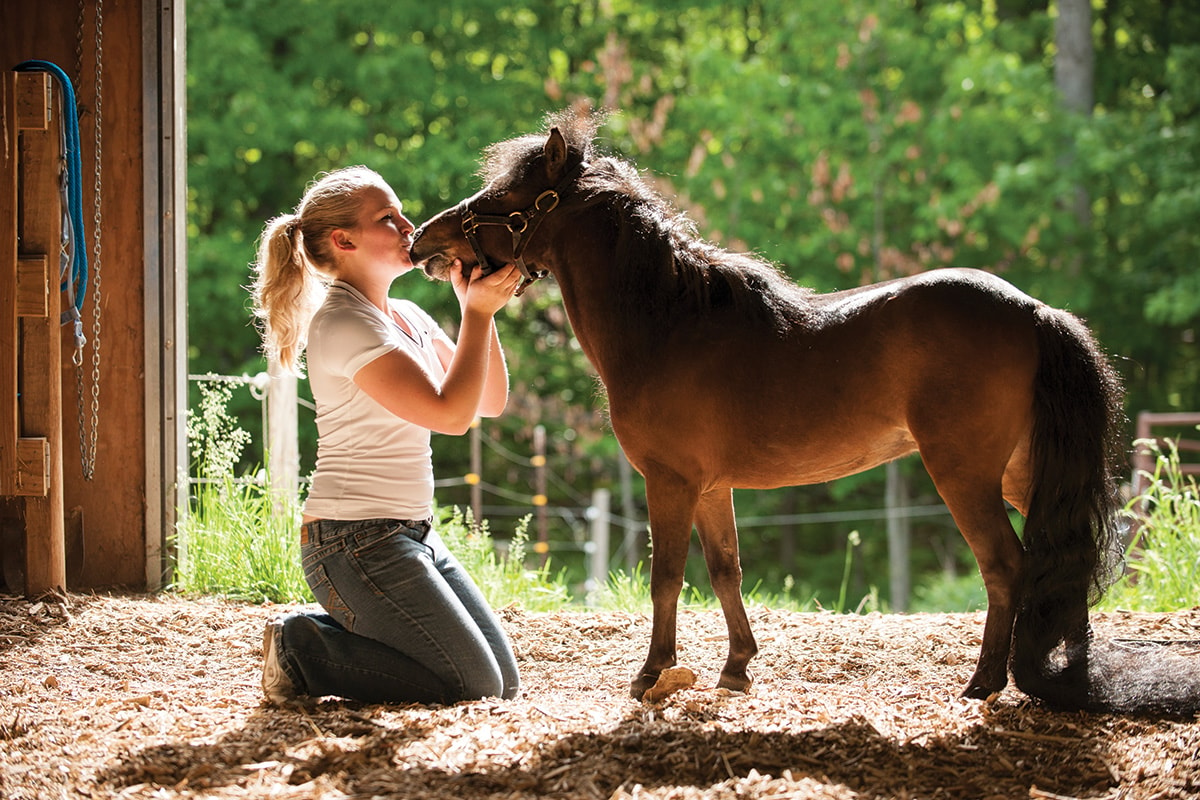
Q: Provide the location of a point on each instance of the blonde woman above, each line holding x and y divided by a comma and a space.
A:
401, 621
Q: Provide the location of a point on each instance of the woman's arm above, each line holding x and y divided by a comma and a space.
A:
495, 389
398, 383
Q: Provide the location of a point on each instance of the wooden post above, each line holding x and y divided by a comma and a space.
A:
476, 474
9, 423
1143, 462
36, 348
539, 493
598, 557
283, 447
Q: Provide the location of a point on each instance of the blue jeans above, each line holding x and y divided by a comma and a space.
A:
404, 622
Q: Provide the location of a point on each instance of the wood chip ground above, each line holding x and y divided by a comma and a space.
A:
117, 696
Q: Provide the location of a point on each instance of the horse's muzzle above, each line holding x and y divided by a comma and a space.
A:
437, 266
429, 257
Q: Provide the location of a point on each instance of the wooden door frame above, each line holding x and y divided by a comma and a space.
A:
165, 183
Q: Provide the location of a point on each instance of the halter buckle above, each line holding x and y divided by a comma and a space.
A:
553, 197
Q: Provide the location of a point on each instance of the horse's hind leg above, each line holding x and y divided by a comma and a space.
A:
976, 503
671, 503
718, 535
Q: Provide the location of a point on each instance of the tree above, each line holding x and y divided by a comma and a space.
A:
1074, 62
848, 142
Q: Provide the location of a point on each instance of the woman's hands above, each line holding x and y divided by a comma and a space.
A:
484, 294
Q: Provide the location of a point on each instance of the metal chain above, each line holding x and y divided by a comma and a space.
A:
79, 49
89, 435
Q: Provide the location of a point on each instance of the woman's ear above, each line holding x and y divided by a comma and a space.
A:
341, 240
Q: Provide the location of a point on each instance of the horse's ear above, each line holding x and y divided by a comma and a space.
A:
556, 154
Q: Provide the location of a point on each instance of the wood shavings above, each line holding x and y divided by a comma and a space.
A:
158, 697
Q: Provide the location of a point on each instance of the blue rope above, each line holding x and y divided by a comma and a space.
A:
79, 265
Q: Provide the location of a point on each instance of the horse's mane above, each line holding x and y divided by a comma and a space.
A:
662, 254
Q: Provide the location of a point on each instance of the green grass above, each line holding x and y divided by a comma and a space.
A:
630, 591
950, 594
1163, 558
500, 569
237, 539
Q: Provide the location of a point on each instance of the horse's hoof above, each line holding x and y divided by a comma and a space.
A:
735, 683
641, 684
978, 690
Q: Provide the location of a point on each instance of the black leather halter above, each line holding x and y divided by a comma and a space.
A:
521, 224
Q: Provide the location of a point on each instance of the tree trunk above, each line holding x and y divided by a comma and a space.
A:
1074, 66
1074, 76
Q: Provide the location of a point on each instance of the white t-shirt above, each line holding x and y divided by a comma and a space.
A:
370, 463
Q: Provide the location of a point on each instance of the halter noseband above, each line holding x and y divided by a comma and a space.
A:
521, 224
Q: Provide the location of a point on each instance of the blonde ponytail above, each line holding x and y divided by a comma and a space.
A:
295, 263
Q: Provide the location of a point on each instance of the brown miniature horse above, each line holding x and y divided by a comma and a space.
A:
722, 374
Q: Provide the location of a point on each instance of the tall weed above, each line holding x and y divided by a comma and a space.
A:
500, 571
236, 538
1163, 558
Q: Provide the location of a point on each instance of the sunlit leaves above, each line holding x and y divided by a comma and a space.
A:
848, 141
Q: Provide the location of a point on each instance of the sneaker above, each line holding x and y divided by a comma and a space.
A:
277, 686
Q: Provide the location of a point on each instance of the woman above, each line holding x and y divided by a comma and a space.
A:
403, 621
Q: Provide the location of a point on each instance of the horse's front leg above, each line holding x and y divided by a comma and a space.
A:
671, 503
718, 535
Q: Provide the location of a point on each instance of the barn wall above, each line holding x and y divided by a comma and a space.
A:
107, 530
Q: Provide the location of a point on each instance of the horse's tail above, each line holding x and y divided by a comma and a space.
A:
1072, 547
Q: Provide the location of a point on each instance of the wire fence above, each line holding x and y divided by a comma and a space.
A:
579, 518
587, 517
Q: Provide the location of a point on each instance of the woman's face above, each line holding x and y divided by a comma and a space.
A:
382, 236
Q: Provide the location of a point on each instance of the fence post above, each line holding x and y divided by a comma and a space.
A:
283, 446
539, 497
899, 536
598, 561
476, 475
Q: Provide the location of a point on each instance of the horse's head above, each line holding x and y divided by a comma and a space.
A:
524, 181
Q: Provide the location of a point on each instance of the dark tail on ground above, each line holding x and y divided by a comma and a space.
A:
1072, 547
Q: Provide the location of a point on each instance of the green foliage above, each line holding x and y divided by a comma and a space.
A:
501, 574
848, 142
790, 597
236, 537
1164, 557
625, 591
215, 440
630, 592
852, 541
239, 539
950, 594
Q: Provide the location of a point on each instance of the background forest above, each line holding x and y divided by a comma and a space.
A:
851, 141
